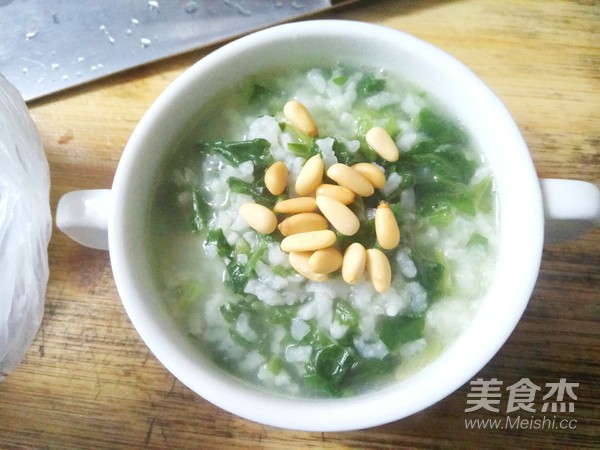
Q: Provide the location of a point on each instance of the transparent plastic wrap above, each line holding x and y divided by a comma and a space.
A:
25, 228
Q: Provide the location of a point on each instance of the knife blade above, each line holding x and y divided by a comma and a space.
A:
49, 46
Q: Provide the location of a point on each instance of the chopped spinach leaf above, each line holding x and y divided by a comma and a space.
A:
439, 128
257, 190
367, 372
394, 331
238, 273
369, 85
260, 95
344, 314
237, 152
433, 272
303, 150
201, 211
217, 238
340, 80
477, 239
327, 368
344, 155
185, 296
482, 195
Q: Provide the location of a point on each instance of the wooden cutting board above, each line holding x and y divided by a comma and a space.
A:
88, 381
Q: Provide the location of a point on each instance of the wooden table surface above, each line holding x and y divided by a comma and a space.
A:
89, 381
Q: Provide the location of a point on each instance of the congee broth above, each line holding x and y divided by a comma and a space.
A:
323, 291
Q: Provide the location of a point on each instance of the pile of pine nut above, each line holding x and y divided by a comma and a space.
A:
308, 239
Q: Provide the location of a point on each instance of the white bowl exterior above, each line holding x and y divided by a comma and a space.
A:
318, 43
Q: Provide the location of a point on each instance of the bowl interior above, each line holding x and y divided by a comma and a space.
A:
311, 44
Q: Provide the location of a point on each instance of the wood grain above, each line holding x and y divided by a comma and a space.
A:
88, 381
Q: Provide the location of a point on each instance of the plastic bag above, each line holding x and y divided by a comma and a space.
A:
25, 228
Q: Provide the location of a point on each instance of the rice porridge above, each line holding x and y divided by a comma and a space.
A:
255, 297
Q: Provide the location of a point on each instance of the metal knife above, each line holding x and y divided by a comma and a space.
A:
49, 46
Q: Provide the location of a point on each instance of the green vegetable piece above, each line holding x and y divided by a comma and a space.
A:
465, 204
217, 238
394, 331
259, 94
439, 212
439, 128
477, 239
448, 160
327, 368
340, 80
303, 150
398, 213
344, 155
482, 195
367, 372
237, 152
407, 181
275, 365
368, 118
281, 315
442, 182
230, 312
282, 271
431, 167
240, 340
185, 297
257, 190
256, 256
318, 386
369, 85
345, 314
432, 272
242, 247
242, 187
333, 362
238, 274
365, 235
201, 211
462, 166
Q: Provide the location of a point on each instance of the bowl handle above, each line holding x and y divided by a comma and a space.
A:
570, 208
83, 216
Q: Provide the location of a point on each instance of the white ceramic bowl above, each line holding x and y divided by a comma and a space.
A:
570, 206
317, 43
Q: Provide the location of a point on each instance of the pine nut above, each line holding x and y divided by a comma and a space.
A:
276, 178
340, 193
371, 172
296, 205
350, 179
310, 175
298, 115
301, 223
379, 270
326, 260
339, 215
354, 262
382, 143
386, 227
308, 241
259, 217
299, 261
